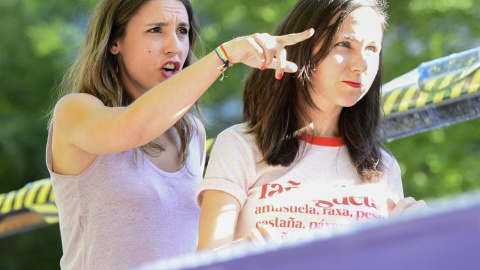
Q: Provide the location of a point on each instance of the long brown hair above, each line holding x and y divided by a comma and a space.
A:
94, 70
276, 109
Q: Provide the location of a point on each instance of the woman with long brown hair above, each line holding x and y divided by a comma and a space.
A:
308, 157
124, 153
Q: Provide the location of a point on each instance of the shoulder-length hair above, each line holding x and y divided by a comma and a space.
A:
94, 69
275, 110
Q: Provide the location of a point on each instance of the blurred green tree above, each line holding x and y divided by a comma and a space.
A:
444, 161
38, 39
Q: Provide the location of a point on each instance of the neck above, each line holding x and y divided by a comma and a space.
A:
325, 123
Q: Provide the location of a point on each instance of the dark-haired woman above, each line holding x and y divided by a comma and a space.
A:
308, 157
124, 154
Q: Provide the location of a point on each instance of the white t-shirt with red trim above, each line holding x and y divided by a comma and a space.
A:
320, 191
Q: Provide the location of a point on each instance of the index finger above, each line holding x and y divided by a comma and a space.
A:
291, 39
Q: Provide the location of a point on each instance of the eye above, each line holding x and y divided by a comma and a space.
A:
155, 30
183, 31
372, 48
344, 44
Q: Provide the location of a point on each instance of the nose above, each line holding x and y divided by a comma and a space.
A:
171, 44
359, 62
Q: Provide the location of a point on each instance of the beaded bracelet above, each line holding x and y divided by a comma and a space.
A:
223, 56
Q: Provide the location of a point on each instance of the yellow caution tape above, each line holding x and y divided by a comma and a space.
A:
35, 196
433, 91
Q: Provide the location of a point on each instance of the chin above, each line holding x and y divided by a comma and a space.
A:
350, 102
349, 105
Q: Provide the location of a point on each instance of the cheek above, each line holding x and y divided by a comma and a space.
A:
373, 69
185, 49
152, 48
338, 59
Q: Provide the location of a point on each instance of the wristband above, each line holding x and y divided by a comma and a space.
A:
224, 57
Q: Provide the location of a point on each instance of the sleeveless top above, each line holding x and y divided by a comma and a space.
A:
122, 212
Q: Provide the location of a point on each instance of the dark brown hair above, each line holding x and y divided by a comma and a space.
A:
94, 70
276, 109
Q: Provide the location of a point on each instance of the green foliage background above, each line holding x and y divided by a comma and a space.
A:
38, 40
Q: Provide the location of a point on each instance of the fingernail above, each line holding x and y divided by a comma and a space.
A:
263, 68
280, 76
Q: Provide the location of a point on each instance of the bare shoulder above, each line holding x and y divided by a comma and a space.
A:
73, 110
71, 104
68, 114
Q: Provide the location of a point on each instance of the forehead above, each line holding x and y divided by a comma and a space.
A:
364, 24
161, 11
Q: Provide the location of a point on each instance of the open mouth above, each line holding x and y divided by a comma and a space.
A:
170, 69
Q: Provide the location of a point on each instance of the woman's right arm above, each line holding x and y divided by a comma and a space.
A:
82, 121
218, 219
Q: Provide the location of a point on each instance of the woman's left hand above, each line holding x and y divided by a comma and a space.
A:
405, 205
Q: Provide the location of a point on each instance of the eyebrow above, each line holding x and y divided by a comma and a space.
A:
349, 37
162, 24
353, 38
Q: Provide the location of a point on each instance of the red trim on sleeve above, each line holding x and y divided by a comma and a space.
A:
323, 141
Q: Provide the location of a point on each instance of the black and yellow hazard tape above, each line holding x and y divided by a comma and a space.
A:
29, 207
35, 196
431, 92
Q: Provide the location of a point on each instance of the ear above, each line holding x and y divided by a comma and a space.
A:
114, 47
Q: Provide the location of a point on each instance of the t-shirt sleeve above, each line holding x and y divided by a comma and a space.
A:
230, 166
393, 176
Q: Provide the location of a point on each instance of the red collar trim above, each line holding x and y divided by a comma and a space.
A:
323, 141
